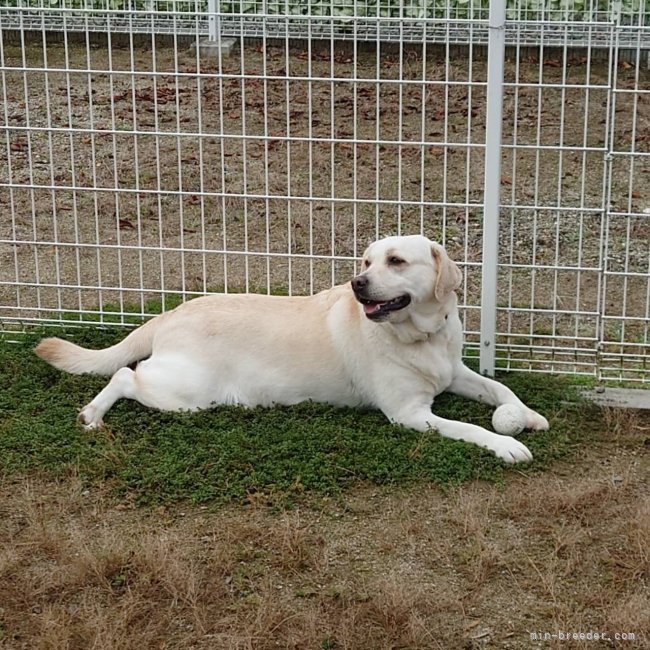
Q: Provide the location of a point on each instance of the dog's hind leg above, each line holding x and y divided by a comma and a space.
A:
168, 383
122, 384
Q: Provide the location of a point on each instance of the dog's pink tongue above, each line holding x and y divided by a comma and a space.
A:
371, 309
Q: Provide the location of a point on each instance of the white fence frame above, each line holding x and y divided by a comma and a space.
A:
64, 266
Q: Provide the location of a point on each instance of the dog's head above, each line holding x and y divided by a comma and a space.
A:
400, 274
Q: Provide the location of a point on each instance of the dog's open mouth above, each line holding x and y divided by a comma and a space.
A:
376, 310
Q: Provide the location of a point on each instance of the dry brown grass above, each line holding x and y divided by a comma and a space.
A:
481, 566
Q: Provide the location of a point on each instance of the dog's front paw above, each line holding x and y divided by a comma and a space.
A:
535, 421
89, 418
510, 450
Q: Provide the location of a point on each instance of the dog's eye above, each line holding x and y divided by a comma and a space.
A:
366, 264
396, 261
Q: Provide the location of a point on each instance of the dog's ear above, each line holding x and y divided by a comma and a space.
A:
449, 276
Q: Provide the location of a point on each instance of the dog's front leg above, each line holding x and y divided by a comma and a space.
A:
422, 419
470, 384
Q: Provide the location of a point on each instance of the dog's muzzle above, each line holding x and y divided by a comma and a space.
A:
376, 309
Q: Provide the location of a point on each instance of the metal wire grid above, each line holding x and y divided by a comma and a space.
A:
569, 293
557, 312
284, 164
330, 197
553, 29
625, 325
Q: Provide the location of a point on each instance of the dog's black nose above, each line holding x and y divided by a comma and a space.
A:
359, 283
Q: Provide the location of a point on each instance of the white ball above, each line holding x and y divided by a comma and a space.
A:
509, 419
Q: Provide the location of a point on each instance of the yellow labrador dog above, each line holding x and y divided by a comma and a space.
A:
390, 339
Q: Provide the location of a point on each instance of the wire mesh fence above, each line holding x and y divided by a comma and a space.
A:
137, 171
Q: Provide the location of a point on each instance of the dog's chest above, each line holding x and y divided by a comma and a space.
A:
416, 368
432, 362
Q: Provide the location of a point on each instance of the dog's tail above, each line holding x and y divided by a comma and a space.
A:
77, 360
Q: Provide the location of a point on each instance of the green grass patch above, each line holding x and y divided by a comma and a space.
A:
230, 453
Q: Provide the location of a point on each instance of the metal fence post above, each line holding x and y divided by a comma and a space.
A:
213, 24
215, 46
492, 184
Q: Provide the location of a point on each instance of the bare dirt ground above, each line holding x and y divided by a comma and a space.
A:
480, 566
197, 211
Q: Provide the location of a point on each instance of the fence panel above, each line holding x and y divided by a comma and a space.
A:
556, 116
136, 171
625, 327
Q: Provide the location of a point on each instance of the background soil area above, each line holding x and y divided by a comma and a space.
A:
272, 170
